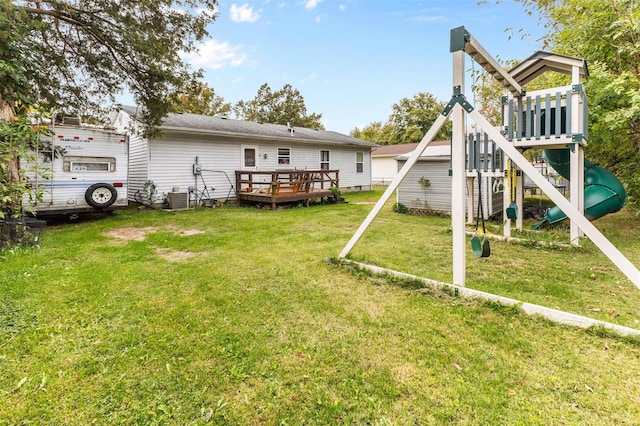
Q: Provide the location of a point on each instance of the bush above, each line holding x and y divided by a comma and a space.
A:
400, 208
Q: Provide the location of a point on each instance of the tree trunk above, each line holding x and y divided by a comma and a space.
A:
6, 110
9, 155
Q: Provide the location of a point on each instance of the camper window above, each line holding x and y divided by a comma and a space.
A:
88, 164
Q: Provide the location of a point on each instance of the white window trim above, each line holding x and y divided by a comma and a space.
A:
358, 162
278, 156
327, 162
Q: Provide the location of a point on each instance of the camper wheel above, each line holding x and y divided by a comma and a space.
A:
101, 195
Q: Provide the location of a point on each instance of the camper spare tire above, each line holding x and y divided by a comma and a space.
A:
101, 195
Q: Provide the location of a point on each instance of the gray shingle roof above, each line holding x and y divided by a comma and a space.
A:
193, 123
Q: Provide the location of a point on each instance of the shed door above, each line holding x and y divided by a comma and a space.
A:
249, 157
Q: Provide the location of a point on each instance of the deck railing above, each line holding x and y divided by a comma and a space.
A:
285, 181
546, 114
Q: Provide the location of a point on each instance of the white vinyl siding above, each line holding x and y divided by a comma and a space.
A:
438, 194
138, 154
384, 169
173, 158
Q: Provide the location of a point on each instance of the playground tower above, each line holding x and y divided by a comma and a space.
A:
554, 119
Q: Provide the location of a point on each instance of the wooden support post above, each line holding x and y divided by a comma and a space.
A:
576, 156
576, 191
519, 199
506, 201
471, 208
459, 173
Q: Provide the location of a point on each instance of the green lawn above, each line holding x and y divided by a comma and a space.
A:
237, 316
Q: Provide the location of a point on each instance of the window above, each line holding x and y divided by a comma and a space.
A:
249, 157
359, 162
324, 160
88, 164
284, 155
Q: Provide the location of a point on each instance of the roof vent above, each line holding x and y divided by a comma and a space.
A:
290, 128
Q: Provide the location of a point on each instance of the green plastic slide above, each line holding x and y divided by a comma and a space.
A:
603, 192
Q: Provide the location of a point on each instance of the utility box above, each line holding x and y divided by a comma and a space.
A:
178, 200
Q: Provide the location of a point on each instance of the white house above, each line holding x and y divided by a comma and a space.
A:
383, 161
217, 147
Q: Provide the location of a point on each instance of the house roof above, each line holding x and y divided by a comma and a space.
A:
393, 150
403, 151
193, 123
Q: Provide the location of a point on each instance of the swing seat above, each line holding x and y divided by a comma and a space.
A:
512, 211
480, 248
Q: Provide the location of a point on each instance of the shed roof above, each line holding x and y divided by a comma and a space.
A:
406, 148
434, 149
193, 123
541, 62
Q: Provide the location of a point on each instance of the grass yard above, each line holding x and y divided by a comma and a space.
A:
237, 316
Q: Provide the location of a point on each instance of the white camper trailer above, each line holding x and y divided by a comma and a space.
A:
79, 169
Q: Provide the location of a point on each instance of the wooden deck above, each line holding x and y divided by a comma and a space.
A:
284, 186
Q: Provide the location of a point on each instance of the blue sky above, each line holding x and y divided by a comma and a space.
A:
352, 60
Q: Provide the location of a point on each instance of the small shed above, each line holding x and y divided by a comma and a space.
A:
427, 186
199, 155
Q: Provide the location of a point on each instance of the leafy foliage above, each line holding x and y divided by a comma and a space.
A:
199, 98
374, 132
78, 55
17, 137
607, 34
409, 121
284, 106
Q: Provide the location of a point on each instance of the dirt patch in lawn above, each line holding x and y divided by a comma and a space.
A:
121, 236
175, 255
186, 232
133, 233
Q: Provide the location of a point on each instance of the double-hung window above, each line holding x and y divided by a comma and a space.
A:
359, 162
284, 156
324, 160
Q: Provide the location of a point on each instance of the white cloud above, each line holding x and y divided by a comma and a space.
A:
215, 54
312, 76
244, 13
312, 4
342, 7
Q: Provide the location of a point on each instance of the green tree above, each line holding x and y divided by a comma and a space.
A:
412, 118
74, 57
284, 106
607, 34
374, 132
199, 98
409, 121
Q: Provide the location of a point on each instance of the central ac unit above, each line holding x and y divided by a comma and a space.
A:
178, 200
